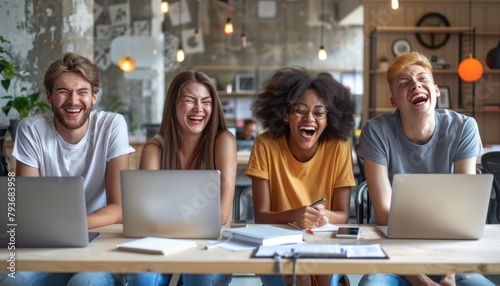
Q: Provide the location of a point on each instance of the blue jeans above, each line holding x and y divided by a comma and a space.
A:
396, 280
159, 279
152, 279
70, 279
278, 280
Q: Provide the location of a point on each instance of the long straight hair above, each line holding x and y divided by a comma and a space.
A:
203, 155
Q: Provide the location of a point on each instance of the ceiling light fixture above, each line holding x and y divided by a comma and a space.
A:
244, 42
180, 51
395, 4
322, 52
470, 69
228, 28
127, 63
164, 7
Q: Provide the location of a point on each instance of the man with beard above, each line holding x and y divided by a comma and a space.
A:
76, 141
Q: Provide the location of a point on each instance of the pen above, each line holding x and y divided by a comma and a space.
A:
317, 202
294, 225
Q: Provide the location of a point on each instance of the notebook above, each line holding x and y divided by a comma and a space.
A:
171, 203
265, 235
438, 206
156, 245
45, 212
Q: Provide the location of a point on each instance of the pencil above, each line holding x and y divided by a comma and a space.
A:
294, 225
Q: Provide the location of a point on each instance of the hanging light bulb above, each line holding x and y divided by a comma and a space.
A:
243, 41
126, 64
470, 69
196, 36
228, 28
180, 51
322, 53
395, 4
243, 38
164, 7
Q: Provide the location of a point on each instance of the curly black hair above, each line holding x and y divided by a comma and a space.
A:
287, 85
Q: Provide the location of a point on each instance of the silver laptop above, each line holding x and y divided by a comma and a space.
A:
43, 212
171, 203
438, 206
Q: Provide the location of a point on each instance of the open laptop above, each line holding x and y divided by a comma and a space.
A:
438, 206
43, 212
171, 203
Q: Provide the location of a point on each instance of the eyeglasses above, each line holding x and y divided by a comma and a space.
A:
302, 110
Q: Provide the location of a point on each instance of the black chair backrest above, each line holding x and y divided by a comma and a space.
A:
491, 165
363, 204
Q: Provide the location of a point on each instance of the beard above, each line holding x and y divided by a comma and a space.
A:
72, 124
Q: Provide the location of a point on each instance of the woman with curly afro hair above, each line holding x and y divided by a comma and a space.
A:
303, 155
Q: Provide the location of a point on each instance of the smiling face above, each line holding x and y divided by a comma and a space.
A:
72, 101
193, 109
414, 92
305, 131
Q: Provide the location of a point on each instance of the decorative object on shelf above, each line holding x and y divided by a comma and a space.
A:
267, 9
443, 101
228, 27
439, 64
322, 55
245, 82
383, 63
400, 46
470, 69
493, 58
433, 40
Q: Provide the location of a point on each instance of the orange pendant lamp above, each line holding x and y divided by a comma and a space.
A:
470, 69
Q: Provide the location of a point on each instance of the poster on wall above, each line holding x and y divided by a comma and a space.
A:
175, 18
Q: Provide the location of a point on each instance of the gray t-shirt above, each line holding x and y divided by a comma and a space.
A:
40, 146
456, 138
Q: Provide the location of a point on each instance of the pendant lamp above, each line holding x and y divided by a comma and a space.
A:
164, 7
127, 63
395, 4
322, 52
243, 39
470, 69
180, 51
228, 28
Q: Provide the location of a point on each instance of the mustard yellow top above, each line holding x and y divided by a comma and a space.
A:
294, 184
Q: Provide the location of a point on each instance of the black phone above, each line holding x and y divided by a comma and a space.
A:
348, 232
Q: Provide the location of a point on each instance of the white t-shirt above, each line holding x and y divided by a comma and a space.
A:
39, 145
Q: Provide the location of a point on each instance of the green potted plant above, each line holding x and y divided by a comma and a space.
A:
26, 102
383, 63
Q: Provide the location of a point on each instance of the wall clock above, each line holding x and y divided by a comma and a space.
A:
400, 46
433, 40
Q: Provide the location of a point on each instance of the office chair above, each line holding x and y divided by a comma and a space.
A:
362, 203
491, 164
246, 205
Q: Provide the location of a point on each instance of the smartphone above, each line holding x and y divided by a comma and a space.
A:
348, 232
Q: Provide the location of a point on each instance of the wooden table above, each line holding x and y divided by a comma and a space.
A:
406, 257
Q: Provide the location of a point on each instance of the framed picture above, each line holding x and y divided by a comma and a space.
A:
443, 101
245, 82
267, 9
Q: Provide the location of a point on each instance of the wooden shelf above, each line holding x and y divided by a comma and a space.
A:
408, 29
